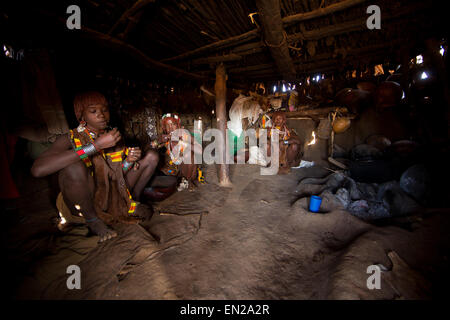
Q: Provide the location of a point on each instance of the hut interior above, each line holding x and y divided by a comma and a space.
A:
356, 206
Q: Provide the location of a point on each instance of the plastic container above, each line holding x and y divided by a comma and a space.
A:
314, 203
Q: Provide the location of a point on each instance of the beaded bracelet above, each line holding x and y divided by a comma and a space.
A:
126, 165
86, 151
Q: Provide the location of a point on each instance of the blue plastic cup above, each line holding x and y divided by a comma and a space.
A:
314, 203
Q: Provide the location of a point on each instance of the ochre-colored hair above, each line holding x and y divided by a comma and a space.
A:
86, 99
170, 116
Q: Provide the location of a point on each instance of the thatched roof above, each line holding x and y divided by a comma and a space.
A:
258, 40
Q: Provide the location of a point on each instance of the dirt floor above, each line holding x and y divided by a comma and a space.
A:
251, 241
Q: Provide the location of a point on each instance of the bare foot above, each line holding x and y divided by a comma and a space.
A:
100, 229
284, 170
192, 185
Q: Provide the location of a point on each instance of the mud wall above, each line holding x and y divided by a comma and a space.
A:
392, 123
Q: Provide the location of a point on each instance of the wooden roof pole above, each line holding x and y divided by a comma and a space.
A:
235, 40
316, 34
218, 44
275, 37
137, 6
221, 114
139, 55
332, 8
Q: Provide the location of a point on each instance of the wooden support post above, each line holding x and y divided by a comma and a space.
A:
275, 37
221, 116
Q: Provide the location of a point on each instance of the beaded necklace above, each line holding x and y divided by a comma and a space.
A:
182, 145
173, 159
286, 133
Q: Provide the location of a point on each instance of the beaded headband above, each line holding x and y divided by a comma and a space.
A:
168, 116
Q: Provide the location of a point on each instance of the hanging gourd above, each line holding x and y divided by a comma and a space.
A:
341, 124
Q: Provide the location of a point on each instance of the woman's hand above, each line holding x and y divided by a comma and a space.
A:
134, 154
164, 138
109, 139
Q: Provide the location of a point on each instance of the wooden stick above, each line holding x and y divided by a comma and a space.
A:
331, 148
221, 114
138, 5
138, 55
135, 53
219, 44
337, 163
354, 25
315, 112
321, 11
217, 59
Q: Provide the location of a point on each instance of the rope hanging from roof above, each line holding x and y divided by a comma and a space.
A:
281, 43
277, 45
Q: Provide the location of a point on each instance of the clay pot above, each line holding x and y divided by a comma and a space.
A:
416, 182
372, 171
388, 94
396, 77
378, 141
327, 88
367, 86
404, 147
354, 99
364, 152
341, 125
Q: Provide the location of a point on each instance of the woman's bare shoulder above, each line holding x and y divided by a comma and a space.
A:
62, 143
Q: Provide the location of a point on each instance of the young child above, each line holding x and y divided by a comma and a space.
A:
175, 150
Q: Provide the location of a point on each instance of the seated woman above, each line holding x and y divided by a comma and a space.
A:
99, 177
291, 150
173, 164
